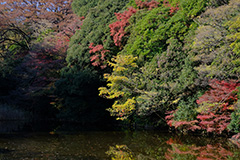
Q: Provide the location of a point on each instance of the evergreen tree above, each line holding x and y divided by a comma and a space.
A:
78, 87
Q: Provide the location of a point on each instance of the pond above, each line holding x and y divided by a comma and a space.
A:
101, 145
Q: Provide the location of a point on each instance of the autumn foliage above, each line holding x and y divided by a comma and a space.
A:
221, 92
117, 28
215, 123
182, 125
149, 5
40, 32
217, 104
98, 59
215, 108
158, 56
183, 151
173, 9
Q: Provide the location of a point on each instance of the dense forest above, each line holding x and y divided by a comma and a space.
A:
160, 63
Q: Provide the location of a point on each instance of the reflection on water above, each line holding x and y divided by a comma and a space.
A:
101, 145
184, 151
175, 149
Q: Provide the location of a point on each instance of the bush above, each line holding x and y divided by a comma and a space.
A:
234, 125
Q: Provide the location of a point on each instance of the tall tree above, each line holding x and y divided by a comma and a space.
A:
163, 74
80, 79
42, 29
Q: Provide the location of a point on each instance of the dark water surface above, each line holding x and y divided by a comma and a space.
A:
100, 145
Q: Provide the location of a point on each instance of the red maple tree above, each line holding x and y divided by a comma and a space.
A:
217, 105
117, 28
149, 5
98, 59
